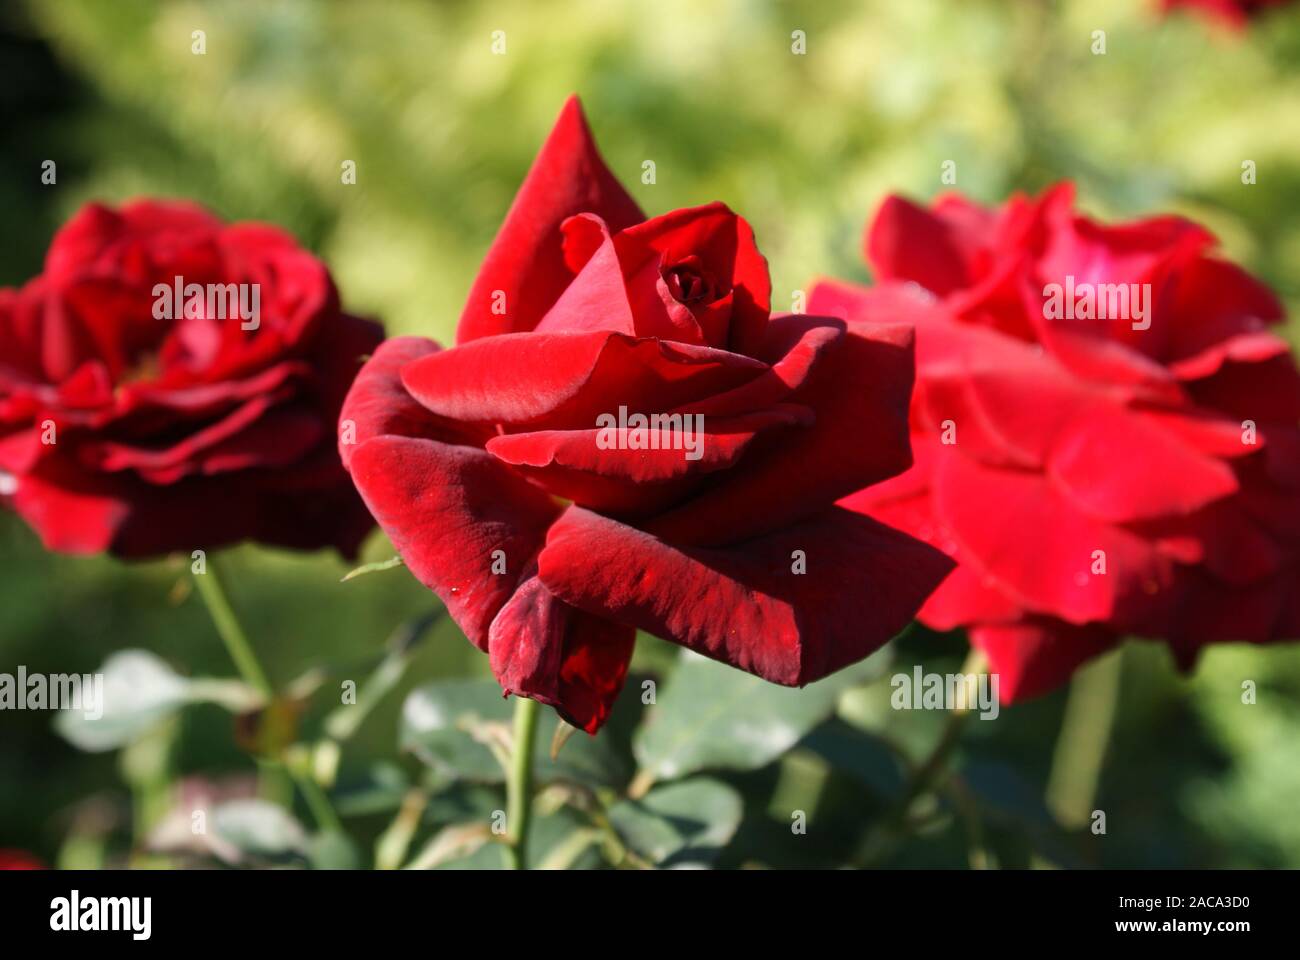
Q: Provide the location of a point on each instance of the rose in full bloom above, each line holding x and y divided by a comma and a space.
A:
514, 476
1234, 13
171, 382
1105, 431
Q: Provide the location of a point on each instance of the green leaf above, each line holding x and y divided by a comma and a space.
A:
569, 852
870, 709
256, 829
688, 822
866, 758
1007, 801
450, 724
472, 807
140, 691
379, 789
453, 725
332, 850
711, 716
462, 802
552, 838
457, 842
1006, 795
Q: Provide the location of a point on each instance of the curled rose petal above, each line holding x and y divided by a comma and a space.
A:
447, 508
748, 606
524, 270
542, 648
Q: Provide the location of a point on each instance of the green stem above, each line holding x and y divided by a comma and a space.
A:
925, 776
519, 782
321, 808
1081, 746
274, 785
274, 770
213, 590
933, 767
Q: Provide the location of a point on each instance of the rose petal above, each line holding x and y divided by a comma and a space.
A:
860, 437
71, 511
260, 433
724, 243
1037, 655
966, 596
794, 345
378, 404
572, 463
908, 242
447, 509
1259, 391
1042, 549
746, 606
566, 380
544, 649
597, 297
526, 260
1118, 466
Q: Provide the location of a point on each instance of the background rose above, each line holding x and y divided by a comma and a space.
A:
1091, 479
1234, 12
583, 307
176, 434
19, 860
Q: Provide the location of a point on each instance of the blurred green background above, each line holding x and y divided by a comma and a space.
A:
804, 146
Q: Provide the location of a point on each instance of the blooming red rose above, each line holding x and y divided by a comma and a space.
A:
19, 860
516, 478
1105, 431
170, 382
1232, 12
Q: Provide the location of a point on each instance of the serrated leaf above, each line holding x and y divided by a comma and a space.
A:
711, 716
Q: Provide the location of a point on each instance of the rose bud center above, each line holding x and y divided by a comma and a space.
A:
689, 283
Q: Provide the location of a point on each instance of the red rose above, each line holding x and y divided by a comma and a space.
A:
1096, 469
19, 860
1232, 12
514, 478
171, 382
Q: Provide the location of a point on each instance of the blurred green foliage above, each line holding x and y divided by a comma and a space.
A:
805, 146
